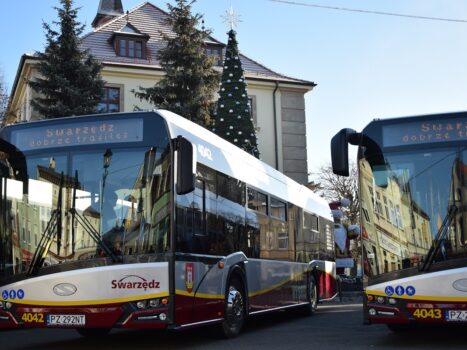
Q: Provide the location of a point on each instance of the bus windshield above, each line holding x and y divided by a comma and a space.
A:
413, 211
76, 205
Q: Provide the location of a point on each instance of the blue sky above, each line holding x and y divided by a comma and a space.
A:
366, 66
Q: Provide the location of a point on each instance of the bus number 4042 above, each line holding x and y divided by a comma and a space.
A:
30, 317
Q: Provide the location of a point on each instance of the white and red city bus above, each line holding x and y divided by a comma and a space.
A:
412, 191
146, 220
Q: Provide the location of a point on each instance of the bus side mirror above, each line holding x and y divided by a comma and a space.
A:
186, 160
340, 150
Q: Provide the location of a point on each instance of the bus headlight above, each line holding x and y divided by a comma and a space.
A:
372, 312
154, 302
141, 304
380, 300
392, 301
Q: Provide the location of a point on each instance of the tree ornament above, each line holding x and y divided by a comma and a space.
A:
232, 18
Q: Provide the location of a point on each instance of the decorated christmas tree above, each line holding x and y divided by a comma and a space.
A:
233, 119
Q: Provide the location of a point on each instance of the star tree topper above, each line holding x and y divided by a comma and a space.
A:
231, 18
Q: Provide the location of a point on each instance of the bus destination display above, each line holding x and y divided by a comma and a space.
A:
424, 132
79, 134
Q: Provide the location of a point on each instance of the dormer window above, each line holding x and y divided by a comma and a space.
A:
129, 47
129, 42
215, 50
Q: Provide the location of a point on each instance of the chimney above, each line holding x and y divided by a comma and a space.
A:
108, 10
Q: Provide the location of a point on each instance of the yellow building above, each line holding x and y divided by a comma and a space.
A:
127, 45
396, 231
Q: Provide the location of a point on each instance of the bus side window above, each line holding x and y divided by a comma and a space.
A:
311, 236
230, 214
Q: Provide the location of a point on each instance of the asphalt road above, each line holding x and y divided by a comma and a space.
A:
334, 326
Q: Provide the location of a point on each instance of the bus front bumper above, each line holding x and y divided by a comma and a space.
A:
125, 315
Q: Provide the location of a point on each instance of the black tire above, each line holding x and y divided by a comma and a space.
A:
312, 296
235, 310
93, 332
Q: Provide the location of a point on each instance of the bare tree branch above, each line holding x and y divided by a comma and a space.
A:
334, 187
3, 97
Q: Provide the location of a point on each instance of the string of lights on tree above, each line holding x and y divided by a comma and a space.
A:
233, 118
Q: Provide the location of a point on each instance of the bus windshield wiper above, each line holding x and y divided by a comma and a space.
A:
53, 228
90, 230
438, 239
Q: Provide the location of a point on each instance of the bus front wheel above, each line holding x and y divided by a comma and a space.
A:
234, 309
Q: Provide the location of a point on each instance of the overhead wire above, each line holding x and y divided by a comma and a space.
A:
382, 13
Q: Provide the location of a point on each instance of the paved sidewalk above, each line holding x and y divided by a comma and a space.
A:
349, 297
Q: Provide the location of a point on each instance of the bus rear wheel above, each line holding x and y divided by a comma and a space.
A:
312, 296
234, 309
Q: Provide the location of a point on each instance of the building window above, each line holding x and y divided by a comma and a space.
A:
253, 114
216, 53
129, 47
257, 201
378, 205
283, 240
310, 227
110, 101
278, 209
365, 213
310, 221
399, 217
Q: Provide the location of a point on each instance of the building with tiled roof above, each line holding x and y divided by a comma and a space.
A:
127, 44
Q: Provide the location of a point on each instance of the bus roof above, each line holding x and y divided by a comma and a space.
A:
221, 155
